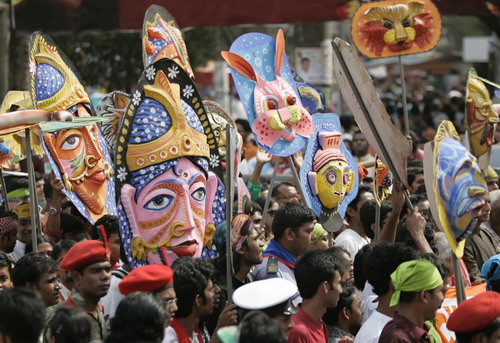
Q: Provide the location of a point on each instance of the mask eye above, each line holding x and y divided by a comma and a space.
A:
388, 25
406, 22
272, 104
331, 178
199, 194
70, 143
290, 100
346, 179
159, 202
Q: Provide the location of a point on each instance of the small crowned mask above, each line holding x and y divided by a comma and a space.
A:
78, 156
396, 27
382, 182
329, 173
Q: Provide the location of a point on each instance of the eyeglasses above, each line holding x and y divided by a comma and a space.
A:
272, 213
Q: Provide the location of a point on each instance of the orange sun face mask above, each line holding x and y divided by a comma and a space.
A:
395, 27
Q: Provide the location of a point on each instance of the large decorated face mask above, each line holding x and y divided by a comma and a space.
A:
169, 199
266, 87
161, 38
456, 187
78, 156
329, 173
461, 185
482, 119
396, 27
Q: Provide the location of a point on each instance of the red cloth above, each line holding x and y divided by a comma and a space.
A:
306, 329
83, 253
182, 335
402, 330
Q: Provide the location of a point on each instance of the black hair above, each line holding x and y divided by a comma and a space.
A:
255, 208
111, 226
346, 299
367, 214
443, 269
412, 174
362, 189
62, 246
22, 315
339, 253
259, 327
346, 121
5, 262
262, 202
13, 182
189, 281
415, 164
487, 331
312, 269
30, 269
5, 214
275, 193
421, 189
70, 226
383, 260
291, 215
69, 325
48, 190
140, 317
39, 240
359, 263
404, 236
244, 123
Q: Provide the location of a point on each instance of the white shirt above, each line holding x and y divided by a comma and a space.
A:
370, 331
351, 241
369, 301
171, 337
111, 300
19, 251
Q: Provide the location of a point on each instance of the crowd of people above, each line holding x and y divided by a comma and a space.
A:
288, 284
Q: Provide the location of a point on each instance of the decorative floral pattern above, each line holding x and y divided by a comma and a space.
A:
172, 72
122, 174
188, 91
214, 161
136, 99
150, 73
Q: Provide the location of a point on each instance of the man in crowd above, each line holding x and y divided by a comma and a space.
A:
318, 280
344, 320
38, 272
354, 238
381, 262
292, 228
66, 281
419, 291
5, 272
481, 244
22, 316
415, 179
359, 148
156, 279
90, 269
195, 291
285, 192
477, 319
23, 230
8, 231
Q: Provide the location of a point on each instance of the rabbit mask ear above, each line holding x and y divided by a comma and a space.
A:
239, 64
280, 51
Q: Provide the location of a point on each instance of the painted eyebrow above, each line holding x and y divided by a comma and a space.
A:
169, 180
195, 176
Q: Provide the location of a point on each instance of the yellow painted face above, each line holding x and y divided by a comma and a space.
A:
481, 115
334, 180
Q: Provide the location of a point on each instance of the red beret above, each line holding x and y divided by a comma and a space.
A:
475, 314
84, 253
150, 278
